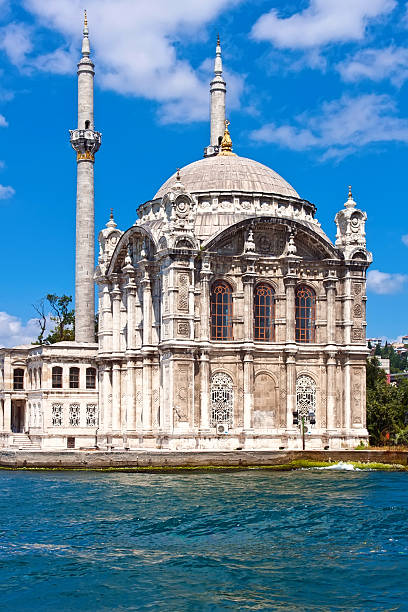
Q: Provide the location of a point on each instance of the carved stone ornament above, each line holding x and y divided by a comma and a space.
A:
357, 334
357, 311
183, 328
356, 288
182, 302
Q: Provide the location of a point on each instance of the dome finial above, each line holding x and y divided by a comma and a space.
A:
350, 200
226, 142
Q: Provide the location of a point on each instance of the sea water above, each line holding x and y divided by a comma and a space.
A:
251, 540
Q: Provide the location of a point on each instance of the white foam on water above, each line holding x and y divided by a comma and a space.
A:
341, 465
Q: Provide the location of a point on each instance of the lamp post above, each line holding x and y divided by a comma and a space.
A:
301, 417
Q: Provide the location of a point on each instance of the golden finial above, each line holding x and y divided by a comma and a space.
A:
218, 40
178, 174
350, 195
85, 19
111, 214
226, 142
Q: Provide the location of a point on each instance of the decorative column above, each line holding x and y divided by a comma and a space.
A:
248, 390
7, 414
248, 281
205, 300
130, 288
290, 284
86, 143
116, 407
204, 391
290, 389
106, 393
331, 390
147, 394
116, 301
131, 396
330, 284
347, 395
105, 314
147, 309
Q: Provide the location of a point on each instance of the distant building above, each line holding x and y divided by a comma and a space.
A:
374, 342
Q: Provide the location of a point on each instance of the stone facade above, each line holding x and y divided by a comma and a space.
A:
226, 319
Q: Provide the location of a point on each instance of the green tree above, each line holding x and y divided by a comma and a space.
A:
62, 317
387, 408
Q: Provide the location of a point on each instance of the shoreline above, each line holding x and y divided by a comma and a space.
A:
176, 461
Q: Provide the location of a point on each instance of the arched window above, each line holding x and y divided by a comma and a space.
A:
221, 311
222, 399
90, 378
18, 379
264, 313
74, 378
305, 314
57, 377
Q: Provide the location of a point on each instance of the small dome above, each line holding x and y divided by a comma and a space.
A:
229, 173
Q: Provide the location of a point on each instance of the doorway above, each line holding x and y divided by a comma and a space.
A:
17, 417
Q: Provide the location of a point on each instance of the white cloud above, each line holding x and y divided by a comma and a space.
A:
14, 332
3, 121
321, 23
405, 239
15, 41
340, 126
137, 47
385, 283
6, 192
377, 64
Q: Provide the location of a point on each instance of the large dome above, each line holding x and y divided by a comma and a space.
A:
229, 173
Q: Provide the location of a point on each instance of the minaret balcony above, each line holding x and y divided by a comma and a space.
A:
86, 143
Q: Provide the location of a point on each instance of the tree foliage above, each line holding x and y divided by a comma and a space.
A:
62, 317
398, 363
387, 408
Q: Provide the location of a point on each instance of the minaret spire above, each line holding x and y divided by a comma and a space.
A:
86, 142
218, 90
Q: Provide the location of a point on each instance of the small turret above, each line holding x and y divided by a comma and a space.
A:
350, 237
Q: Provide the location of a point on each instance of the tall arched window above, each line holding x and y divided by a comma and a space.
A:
305, 395
222, 399
221, 311
305, 314
57, 377
264, 313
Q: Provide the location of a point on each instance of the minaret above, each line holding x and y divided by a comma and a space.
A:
218, 90
86, 143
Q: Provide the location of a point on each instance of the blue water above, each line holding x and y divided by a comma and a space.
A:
309, 540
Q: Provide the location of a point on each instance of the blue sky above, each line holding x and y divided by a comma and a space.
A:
317, 90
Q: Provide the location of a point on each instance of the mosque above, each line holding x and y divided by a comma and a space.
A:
227, 318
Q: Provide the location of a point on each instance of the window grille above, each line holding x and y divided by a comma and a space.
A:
264, 313
221, 311
18, 379
305, 395
91, 415
74, 415
74, 378
57, 377
57, 415
222, 399
90, 378
305, 314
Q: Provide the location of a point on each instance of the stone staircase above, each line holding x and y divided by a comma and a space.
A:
22, 441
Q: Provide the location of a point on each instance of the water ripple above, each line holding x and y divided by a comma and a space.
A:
251, 540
